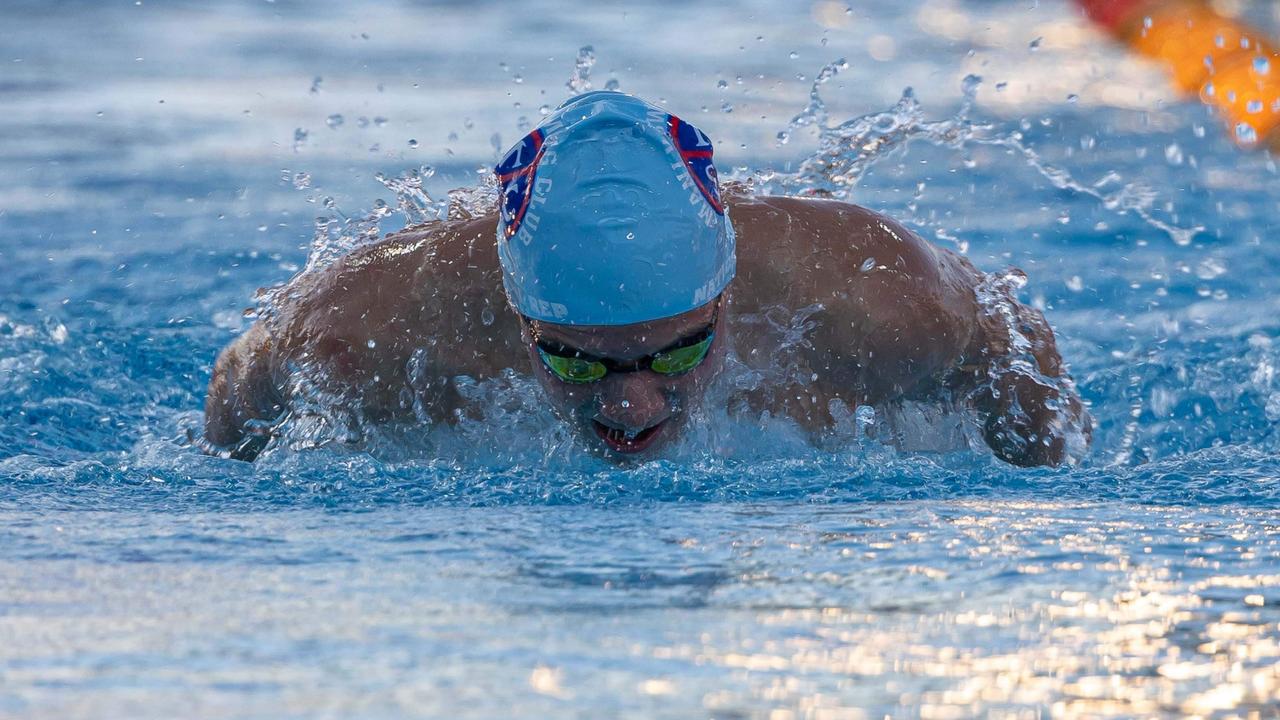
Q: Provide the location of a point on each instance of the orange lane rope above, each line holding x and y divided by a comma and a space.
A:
1230, 64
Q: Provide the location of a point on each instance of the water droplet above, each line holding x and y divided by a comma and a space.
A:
517, 78
612, 84
371, 344
1000, 86
1173, 154
868, 265
1261, 65
1197, 130
315, 84
722, 84
1245, 134
413, 144
1034, 45
301, 181
865, 417
1273, 407
580, 81
793, 55
334, 121
380, 121
969, 86
726, 107
1210, 268
1072, 98
299, 138
486, 316
626, 403
1075, 284
362, 122
631, 236
1254, 107
544, 110
783, 137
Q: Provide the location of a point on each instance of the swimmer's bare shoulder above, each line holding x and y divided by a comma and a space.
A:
427, 300
889, 309
895, 317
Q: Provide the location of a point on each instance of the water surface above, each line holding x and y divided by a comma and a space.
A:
150, 160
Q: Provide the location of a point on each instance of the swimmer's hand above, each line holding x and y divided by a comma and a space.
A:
1030, 411
1033, 421
243, 403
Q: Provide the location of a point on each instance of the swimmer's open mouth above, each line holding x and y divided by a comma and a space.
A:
618, 441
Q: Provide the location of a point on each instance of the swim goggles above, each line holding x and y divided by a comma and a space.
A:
574, 366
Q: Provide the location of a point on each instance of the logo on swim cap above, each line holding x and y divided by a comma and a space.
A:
695, 148
610, 214
516, 176
517, 171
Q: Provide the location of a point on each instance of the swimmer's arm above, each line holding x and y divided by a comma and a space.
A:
1030, 411
242, 393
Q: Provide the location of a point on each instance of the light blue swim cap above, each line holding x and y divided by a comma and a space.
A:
610, 214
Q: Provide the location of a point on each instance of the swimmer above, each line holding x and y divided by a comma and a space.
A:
618, 281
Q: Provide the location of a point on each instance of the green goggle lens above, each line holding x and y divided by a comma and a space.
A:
682, 360
583, 370
572, 369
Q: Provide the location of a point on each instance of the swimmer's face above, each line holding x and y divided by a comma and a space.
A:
630, 413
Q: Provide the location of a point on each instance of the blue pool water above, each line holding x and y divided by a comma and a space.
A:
151, 181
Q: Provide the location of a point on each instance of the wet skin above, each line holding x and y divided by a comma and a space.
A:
858, 307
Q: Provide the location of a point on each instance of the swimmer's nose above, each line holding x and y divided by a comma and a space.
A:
631, 401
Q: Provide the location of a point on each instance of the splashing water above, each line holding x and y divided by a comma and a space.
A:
580, 81
848, 150
337, 234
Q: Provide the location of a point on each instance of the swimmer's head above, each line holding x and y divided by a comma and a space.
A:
616, 250
610, 214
